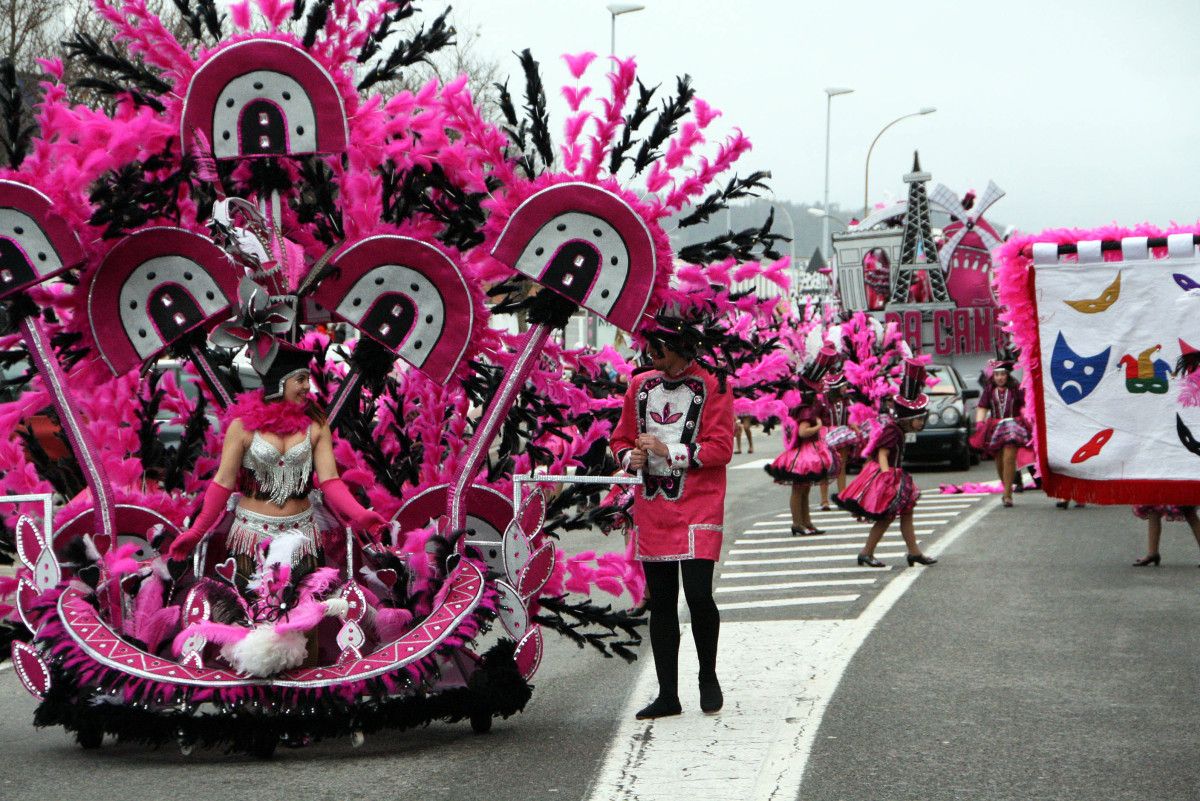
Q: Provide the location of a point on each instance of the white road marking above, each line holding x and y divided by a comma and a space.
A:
940, 516
816, 599
802, 547
837, 527
809, 571
753, 464
854, 535
791, 560
778, 677
795, 585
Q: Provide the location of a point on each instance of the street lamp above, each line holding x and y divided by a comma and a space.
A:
867, 176
617, 9
822, 213
830, 93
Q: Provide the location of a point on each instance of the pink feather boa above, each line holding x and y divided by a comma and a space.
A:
274, 417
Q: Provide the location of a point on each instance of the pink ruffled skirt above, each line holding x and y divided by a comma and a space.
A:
1171, 513
807, 463
879, 495
1009, 431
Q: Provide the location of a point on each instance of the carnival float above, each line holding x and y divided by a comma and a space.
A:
236, 201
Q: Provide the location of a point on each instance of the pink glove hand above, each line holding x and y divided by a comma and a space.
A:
339, 499
211, 510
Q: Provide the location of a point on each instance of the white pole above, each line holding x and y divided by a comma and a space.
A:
825, 202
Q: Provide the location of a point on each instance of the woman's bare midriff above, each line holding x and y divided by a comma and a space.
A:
294, 506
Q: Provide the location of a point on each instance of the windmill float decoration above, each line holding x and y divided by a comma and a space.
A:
966, 255
290, 188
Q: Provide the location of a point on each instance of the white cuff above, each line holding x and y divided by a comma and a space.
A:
678, 456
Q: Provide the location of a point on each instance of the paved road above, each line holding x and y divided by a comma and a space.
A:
781, 664
1034, 663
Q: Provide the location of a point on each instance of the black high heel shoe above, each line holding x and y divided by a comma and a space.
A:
813, 532
799, 531
919, 558
869, 561
1148, 559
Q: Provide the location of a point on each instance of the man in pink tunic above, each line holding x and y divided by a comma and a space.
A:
677, 429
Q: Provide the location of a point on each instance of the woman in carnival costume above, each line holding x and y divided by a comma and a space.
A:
342, 183
1000, 430
842, 436
883, 490
676, 429
276, 440
808, 459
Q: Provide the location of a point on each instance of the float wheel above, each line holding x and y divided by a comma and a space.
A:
481, 721
263, 746
89, 737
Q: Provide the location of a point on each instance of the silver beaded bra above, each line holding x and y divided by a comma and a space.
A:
279, 476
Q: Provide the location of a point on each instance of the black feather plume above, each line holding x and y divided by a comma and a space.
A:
18, 126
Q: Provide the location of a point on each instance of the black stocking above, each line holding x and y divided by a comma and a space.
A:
662, 580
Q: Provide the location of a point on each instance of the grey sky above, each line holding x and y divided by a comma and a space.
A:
1084, 112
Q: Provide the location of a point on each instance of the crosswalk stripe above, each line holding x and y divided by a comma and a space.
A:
942, 515
794, 585
834, 529
841, 513
824, 599
855, 535
791, 560
839, 546
804, 571
840, 526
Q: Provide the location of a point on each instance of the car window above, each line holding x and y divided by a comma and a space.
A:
944, 386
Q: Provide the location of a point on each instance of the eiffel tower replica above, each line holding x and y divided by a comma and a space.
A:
918, 253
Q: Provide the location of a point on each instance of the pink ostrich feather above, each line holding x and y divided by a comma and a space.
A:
620, 79
575, 95
578, 63
705, 113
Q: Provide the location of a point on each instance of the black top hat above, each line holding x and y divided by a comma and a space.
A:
810, 377
911, 401
288, 361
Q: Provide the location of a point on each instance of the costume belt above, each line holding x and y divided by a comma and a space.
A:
250, 529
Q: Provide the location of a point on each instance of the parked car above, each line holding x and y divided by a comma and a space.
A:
948, 427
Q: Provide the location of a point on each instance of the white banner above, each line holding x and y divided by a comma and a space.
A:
1110, 334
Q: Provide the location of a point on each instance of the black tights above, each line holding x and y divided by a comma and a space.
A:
662, 582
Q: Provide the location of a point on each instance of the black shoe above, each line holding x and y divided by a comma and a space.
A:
919, 558
869, 561
1063, 504
1149, 559
711, 699
799, 531
661, 707
813, 532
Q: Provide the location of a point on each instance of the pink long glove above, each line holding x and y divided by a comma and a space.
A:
339, 499
215, 498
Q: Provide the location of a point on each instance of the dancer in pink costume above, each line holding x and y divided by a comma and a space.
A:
842, 436
808, 459
1000, 426
676, 428
883, 490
